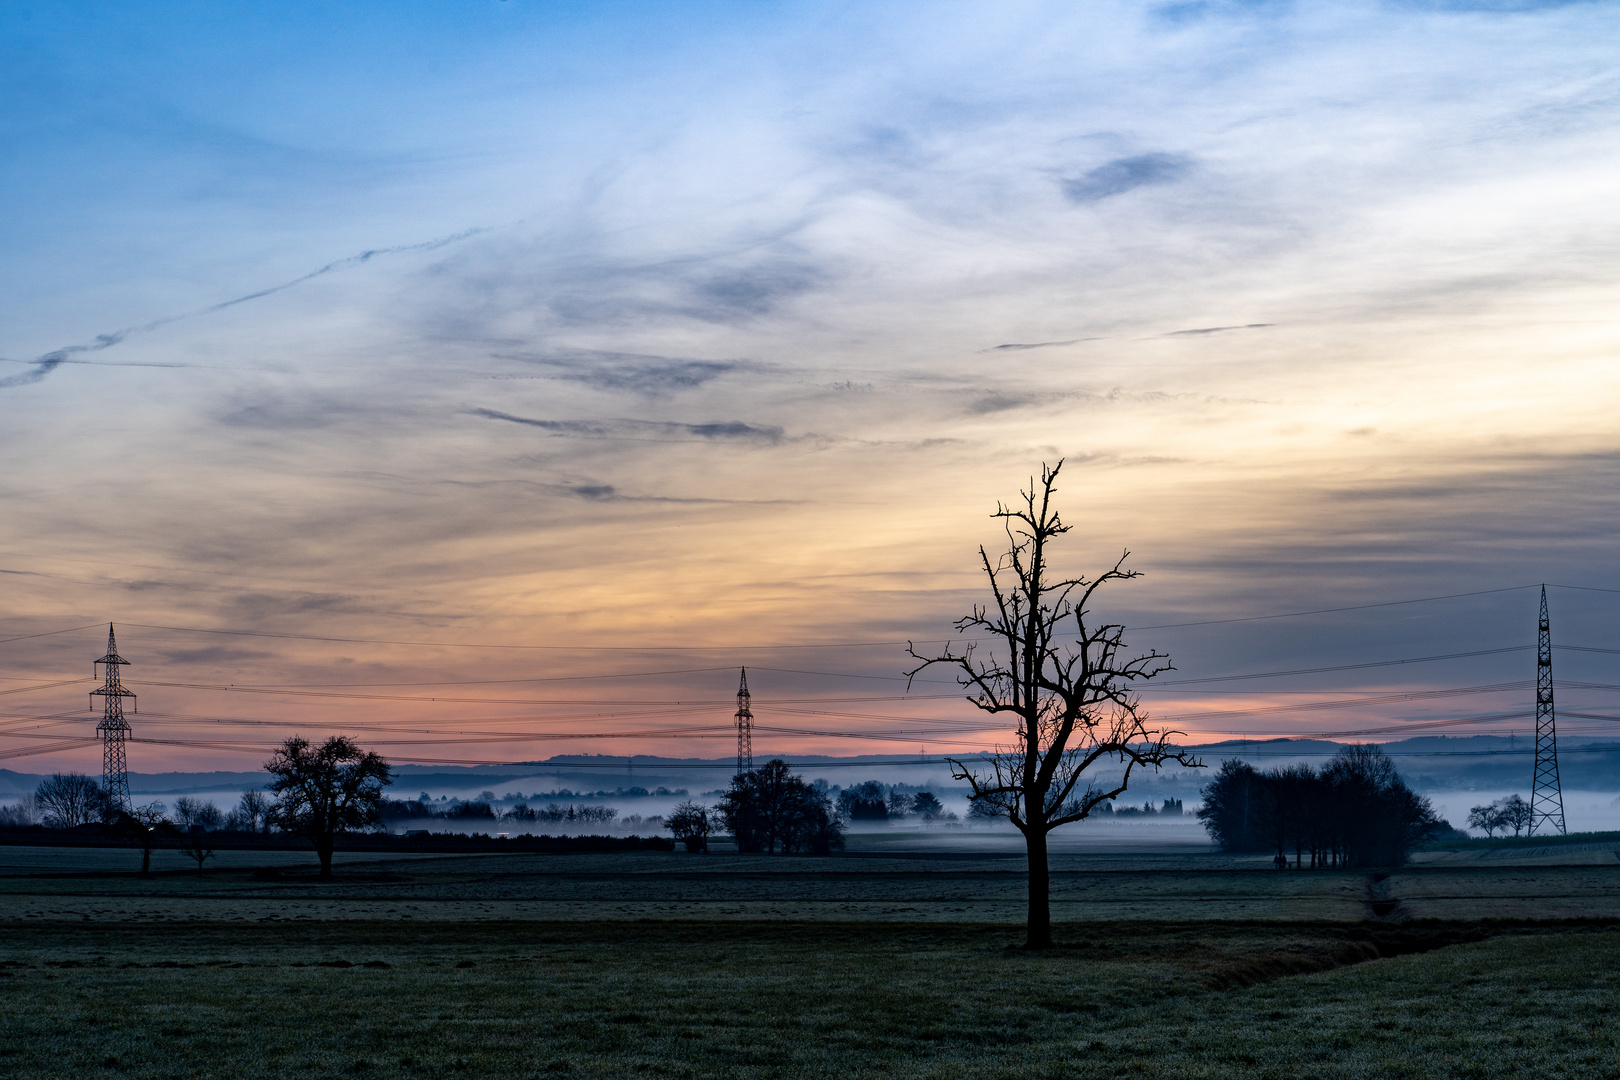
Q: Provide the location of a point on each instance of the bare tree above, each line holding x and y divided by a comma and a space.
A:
146, 822
66, 800
1065, 681
1487, 817
325, 790
194, 845
192, 813
1515, 813
249, 814
22, 813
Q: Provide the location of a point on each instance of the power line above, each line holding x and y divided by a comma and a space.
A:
1335, 610
740, 648
1346, 667
52, 633
549, 648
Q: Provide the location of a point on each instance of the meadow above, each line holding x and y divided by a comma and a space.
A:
1177, 963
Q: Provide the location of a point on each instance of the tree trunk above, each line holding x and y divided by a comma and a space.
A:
1039, 934
323, 848
146, 857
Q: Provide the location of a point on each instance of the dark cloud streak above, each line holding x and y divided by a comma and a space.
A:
645, 430
1127, 174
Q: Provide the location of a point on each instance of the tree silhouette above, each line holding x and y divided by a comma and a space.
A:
325, 790
1065, 680
691, 825
143, 824
67, 800
1356, 812
770, 808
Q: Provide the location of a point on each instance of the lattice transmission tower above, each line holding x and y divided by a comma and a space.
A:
745, 727
1546, 797
113, 729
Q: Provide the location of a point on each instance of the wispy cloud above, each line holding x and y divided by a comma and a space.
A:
1216, 329
647, 430
50, 361
651, 376
1018, 347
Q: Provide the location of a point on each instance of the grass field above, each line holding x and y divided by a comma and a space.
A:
609, 966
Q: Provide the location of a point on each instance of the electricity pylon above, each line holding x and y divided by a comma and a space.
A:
113, 729
745, 728
1546, 797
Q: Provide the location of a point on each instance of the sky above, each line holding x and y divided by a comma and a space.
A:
457, 374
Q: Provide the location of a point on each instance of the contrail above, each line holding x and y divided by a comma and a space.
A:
50, 361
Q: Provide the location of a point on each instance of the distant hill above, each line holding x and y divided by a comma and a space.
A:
1430, 762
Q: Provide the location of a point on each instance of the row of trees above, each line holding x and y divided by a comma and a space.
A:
1509, 813
871, 801
69, 800
1357, 811
319, 791
484, 809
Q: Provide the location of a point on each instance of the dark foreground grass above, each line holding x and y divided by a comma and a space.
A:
692, 999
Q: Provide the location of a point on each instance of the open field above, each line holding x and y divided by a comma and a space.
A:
742, 999
1175, 963
933, 885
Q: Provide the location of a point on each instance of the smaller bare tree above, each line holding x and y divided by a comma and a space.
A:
248, 815
190, 813
19, 814
1065, 680
254, 810
194, 844
144, 823
1487, 817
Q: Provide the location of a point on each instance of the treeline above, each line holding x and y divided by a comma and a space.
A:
980, 809
873, 801
1356, 811
480, 809
68, 800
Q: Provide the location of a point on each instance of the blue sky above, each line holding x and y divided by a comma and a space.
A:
729, 323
